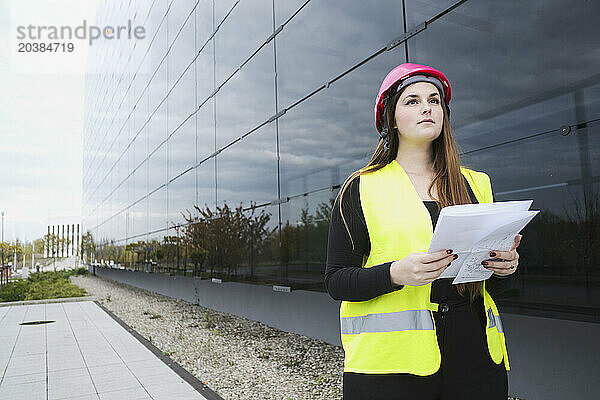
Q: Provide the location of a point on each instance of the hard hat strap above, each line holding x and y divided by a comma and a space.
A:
384, 132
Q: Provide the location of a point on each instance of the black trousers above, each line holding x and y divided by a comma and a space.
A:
466, 372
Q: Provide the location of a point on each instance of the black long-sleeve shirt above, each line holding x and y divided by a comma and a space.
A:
345, 279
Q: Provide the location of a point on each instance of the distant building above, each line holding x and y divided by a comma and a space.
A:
62, 240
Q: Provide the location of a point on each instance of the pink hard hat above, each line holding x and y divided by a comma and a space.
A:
400, 73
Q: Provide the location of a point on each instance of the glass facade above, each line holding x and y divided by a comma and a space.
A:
215, 147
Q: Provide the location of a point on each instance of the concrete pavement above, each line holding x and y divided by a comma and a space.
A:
83, 354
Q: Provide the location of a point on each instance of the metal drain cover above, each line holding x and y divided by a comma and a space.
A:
36, 322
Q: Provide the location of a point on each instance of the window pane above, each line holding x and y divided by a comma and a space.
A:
247, 99
181, 39
246, 28
247, 170
312, 50
182, 196
182, 147
305, 226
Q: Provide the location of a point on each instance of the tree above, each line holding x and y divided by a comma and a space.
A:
88, 246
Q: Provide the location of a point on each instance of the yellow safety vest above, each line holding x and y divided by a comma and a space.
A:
395, 332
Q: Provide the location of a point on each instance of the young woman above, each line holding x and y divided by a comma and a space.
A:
407, 334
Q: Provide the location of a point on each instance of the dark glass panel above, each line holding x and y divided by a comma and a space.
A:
284, 9
205, 128
157, 109
204, 22
157, 128
247, 170
247, 99
182, 197
250, 20
182, 147
327, 38
222, 8
242, 245
205, 85
181, 38
304, 230
418, 11
139, 181
157, 164
182, 99
157, 211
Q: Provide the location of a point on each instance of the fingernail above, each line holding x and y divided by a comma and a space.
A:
449, 251
455, 256
492, 254
484, 262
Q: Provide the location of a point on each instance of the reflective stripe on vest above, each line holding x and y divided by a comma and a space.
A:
387, 322
494, 320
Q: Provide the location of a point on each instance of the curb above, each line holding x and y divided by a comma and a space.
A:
46, 301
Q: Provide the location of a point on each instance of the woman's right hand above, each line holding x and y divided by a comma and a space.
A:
418, 269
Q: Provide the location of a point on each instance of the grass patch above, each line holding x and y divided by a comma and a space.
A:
43, 285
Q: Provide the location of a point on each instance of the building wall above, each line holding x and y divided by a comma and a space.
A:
214, 147
267, 106
550, 358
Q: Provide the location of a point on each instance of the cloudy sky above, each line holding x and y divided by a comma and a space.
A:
41, 120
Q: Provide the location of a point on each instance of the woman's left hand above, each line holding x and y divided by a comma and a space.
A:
509, 260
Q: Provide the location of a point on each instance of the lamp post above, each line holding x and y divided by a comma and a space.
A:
3, 238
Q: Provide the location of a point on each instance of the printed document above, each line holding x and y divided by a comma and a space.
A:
473, 230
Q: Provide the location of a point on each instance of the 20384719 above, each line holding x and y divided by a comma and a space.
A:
52, 47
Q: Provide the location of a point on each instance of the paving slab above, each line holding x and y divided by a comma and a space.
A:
84, 353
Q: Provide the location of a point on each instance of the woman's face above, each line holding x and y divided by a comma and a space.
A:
418, 102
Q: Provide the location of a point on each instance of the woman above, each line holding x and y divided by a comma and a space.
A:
407, 334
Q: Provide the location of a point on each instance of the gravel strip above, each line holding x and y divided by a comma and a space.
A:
236, 357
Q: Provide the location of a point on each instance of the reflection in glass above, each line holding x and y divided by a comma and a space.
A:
204, 22
331, 134
182, 97
231, 244
181, 39
557, 255
419, 11
205, 128
247, 99
157, 212
247, 170
312, 50
182, 151
157, 166
251, 20
182, 194
304, 230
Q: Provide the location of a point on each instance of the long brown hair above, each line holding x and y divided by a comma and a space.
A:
447, 179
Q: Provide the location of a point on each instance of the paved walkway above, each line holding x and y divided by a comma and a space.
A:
84, 354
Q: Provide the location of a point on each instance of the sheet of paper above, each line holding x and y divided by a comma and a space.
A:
482, 208
474, 233
472, 270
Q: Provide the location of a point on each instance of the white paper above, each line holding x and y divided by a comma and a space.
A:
473, 230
